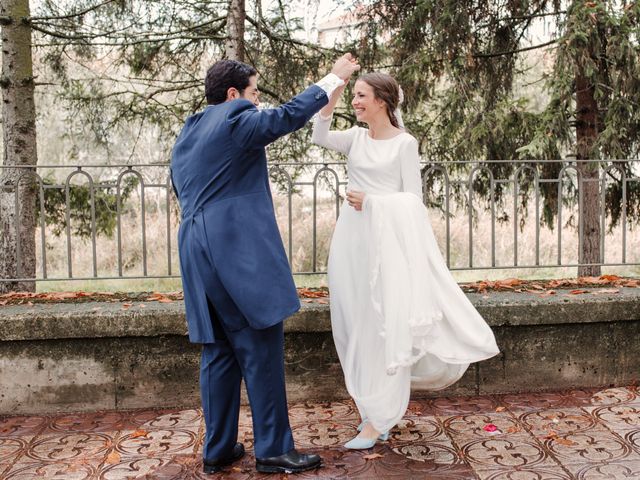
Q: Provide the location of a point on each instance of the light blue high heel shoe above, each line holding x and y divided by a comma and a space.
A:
359, 443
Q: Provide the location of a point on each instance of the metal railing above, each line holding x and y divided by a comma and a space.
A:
482, 200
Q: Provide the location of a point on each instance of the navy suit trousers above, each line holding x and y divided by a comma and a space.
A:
258, 357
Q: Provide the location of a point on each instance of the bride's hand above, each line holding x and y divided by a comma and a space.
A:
355, 199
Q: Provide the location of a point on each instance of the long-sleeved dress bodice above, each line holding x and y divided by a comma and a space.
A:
375, 166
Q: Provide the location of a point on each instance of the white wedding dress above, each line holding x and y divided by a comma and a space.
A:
397, 314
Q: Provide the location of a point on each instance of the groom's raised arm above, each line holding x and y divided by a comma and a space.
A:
253, 128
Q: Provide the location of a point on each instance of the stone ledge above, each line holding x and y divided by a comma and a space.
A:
47, 321
88, 356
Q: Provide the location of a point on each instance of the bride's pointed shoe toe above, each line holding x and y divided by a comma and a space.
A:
359, 443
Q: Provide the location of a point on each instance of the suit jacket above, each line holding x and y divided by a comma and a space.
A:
231, 252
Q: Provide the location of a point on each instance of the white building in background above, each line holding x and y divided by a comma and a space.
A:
340, 28
314, 14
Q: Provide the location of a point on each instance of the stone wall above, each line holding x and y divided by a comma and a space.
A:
89, 356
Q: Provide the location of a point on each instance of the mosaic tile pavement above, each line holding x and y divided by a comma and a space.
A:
579, 434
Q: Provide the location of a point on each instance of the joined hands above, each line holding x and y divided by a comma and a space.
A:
345, 66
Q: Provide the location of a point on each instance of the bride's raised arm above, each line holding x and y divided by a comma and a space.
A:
338, 140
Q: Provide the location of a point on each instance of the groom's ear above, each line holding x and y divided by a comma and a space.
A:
232, 94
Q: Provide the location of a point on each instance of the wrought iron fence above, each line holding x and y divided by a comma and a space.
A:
120, 221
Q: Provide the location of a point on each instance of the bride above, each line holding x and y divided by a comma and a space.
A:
397, 314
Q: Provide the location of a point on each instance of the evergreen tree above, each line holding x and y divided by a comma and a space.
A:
466, 61
17, 185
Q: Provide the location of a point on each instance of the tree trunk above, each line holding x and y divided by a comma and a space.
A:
234, 48
17, 219
589, 189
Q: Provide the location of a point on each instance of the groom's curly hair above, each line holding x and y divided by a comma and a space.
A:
222, 76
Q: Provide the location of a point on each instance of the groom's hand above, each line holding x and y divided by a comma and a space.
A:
345, 66
355, 199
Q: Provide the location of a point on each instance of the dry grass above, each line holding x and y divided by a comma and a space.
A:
157, 247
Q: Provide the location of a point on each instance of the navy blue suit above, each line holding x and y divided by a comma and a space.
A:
236, 278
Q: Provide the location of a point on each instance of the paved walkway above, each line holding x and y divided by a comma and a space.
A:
580, 434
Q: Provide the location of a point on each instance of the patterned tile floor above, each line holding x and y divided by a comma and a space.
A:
580, 434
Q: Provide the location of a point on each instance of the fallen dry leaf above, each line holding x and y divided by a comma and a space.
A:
372, 456
113, 458
610, 278
139, 433
165, 300
578, 292
309, 293
603, 280
514, 429
527, 286
501, 409
127, 305
564, 441
548, 293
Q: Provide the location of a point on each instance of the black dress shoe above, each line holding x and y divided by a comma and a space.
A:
290, 462
217, 464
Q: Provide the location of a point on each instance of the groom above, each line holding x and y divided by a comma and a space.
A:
237, 283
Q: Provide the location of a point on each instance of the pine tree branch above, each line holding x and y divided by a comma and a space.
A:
122, 38
272, 94
73, 15
264, 29
530, 17
65, 36
513, 52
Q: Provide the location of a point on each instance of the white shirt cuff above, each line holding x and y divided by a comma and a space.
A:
330, 83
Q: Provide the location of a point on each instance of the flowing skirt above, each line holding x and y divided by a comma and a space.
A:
397, 314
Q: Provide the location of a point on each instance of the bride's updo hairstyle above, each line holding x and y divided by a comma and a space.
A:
385, 88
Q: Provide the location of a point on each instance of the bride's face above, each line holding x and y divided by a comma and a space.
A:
366, 105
